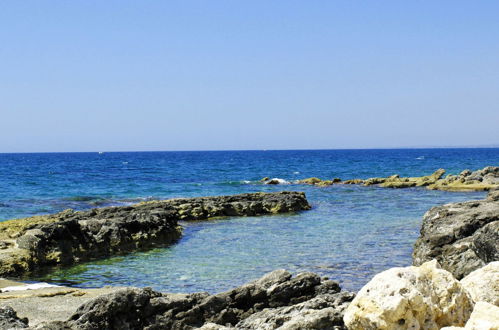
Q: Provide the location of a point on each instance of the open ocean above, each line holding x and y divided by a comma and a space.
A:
351, 233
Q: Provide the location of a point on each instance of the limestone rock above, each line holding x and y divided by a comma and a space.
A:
483, 284
425, 297
485, 316
461, 236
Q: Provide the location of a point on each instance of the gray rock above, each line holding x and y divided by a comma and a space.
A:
461, 236
10, 320
322, 312
304, 299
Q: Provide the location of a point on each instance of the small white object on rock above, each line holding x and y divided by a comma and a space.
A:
483, 283
425, 297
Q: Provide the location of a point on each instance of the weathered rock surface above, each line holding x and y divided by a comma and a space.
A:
425, 297
480, 180
461, 236
485, 316
70, 237
306, 299
485, 179
10, 320
322, 312
483, 284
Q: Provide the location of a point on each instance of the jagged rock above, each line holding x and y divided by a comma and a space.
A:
483, 283
70, 237
10, 320
425, 297
304, 299
484, 179
486, 242
461, 236
322, 312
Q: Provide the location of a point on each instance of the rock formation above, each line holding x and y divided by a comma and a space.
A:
461, 236
483, 284
480, 180
70, 237
425, 297
276, 299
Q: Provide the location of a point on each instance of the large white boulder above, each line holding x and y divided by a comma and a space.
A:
485, 316
483, 283
425, 297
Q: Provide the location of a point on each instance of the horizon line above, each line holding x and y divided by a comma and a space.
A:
290, 149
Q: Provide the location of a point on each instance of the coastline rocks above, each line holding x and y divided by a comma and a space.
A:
483, 284
395, 181
484, 179
425, 297
461, 236
70, 237
309, 299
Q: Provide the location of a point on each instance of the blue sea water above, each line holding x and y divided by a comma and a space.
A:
351, 233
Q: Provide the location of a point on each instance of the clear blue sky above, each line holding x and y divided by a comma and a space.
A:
195, 75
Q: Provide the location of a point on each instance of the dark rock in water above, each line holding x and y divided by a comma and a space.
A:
275, 299
70, 237
10, 320
461, 236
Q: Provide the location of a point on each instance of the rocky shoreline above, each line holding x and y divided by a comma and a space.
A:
454, 284
70, 237
481, 180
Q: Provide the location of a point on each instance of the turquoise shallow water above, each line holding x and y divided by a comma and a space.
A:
350, 234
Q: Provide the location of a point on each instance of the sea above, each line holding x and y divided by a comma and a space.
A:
350, 234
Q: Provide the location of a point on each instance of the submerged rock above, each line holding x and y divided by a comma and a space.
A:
296, 302
425, 297
70, 237
461, 236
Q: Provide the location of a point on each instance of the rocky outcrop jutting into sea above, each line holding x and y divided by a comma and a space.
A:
461, 236
70, 237
480, 180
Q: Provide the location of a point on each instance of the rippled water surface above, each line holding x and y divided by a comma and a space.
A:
351, 233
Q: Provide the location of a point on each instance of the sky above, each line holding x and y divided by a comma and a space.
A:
225, 75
